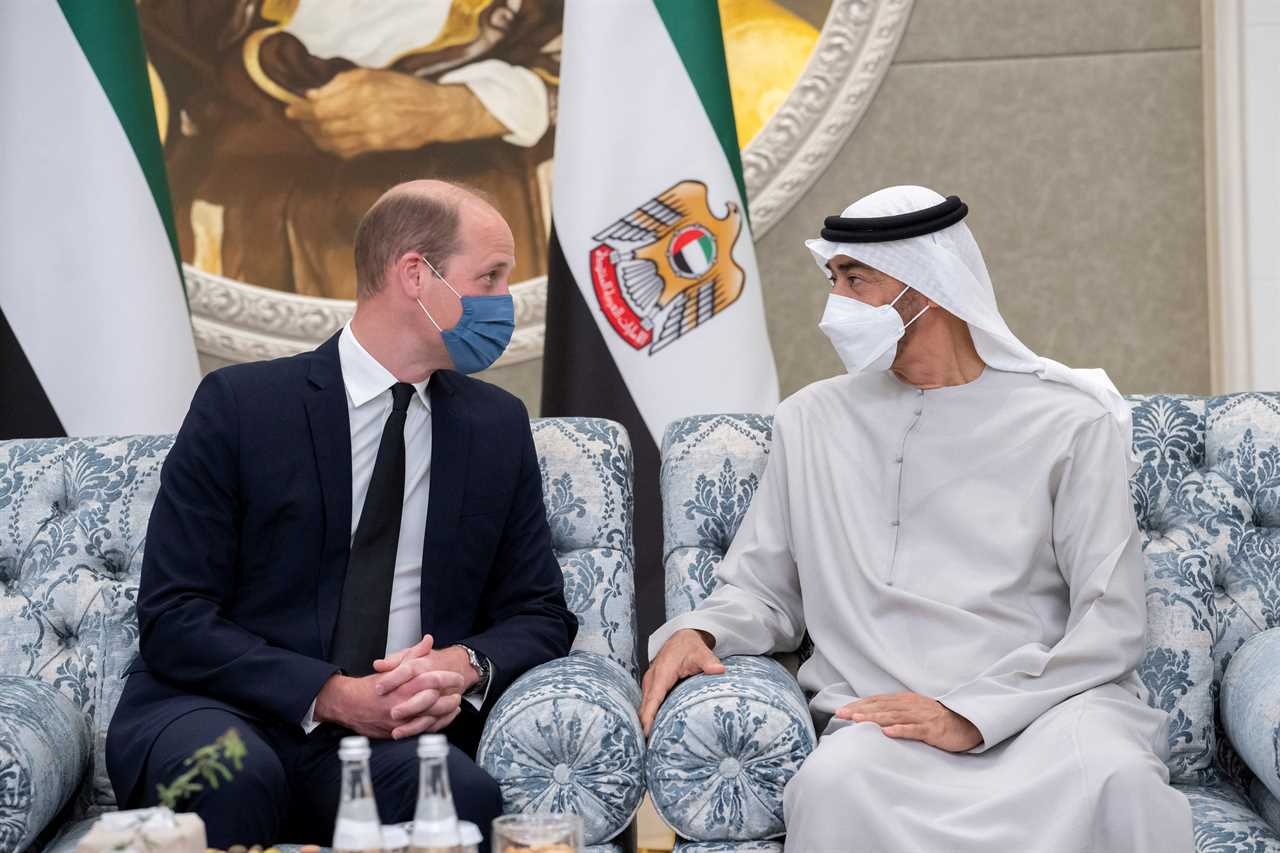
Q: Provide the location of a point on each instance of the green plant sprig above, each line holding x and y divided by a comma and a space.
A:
208, 763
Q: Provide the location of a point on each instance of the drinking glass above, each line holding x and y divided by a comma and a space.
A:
537, 833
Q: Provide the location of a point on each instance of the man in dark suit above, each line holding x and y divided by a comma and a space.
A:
349, 540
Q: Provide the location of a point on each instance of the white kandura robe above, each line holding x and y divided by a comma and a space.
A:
975, 544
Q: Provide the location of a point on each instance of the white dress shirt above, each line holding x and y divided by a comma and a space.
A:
368, 386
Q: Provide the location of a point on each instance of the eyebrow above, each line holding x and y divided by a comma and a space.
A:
847, 266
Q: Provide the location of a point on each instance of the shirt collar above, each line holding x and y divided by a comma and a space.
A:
364, 376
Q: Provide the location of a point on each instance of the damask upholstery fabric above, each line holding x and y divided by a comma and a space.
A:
565, 738
1224, 821
1250, 706
712, 465
44, 751
1265, 803
1207, 498
1178, 666
73, 517
586, 466
684, 846
724, 747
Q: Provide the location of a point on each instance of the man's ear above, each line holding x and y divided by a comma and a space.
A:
407, 273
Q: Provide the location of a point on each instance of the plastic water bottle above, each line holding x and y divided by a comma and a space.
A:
470, 836
358, 829
435, 823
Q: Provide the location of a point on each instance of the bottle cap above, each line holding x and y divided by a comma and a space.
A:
469, 834
433, 746
353, 748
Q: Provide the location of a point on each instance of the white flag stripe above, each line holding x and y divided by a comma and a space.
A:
630, 126
87, 276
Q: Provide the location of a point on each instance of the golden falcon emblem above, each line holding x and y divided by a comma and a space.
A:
667, 267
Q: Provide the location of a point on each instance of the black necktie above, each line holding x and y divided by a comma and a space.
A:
361, 635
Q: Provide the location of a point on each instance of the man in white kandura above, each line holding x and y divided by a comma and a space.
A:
951, 523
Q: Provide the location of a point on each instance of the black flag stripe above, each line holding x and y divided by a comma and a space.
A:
580, 378
25, 410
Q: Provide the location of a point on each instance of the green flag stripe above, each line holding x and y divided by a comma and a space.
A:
694, 28
111, 38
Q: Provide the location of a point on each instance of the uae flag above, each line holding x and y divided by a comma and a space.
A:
654, 308
95, 336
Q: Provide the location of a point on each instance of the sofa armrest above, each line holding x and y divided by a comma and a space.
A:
1249, 706
45, 746
565, 737
724, 746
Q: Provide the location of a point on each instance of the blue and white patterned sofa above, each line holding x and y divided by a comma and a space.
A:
1207, 497
73, 517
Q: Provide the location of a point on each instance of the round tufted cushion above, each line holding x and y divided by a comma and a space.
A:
44, 752
565, 738
724, 746
1250, 713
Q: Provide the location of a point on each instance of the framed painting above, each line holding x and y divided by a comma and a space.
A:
283, 120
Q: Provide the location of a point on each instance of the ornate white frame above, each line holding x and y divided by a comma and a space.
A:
237, 321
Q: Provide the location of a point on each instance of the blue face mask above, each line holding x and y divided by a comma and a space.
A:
482, 332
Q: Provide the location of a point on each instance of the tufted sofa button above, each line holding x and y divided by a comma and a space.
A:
562, 774
730, 767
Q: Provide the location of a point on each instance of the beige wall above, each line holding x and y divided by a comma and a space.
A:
1074, 132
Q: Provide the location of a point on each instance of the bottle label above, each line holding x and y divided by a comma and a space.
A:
356, 835
430, 834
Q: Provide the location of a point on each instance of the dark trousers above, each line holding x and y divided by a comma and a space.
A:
287, 790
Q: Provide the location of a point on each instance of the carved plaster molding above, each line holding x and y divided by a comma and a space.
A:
801, 139
235, 321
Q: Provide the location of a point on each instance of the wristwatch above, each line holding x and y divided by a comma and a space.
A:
480, 664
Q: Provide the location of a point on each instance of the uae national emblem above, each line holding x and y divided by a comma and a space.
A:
667, 267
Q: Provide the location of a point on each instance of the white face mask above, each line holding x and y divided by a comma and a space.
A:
864, 337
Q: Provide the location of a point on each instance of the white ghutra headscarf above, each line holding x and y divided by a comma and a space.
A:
947, 267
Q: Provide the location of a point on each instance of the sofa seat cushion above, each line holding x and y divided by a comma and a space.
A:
1223, 821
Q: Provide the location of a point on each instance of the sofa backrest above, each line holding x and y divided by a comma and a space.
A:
1208, 478
73, 521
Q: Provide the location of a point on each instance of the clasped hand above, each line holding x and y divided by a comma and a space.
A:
416, 690
914, 717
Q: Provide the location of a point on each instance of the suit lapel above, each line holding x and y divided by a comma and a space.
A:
331, 441
450, 443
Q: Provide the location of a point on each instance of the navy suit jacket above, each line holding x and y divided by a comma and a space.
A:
249, 537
